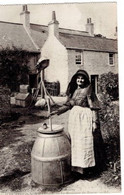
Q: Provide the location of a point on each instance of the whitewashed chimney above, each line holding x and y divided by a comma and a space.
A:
25, 17
54, 26
90, 27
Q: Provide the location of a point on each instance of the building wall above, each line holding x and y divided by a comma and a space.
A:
98, 63
58, 64
95, 63
71, 64
32, 63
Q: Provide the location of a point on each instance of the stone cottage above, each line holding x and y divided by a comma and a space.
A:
70, 50
67, 50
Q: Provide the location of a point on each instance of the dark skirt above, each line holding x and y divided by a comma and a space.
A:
99, 151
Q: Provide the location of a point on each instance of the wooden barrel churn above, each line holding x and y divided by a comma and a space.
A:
51, 157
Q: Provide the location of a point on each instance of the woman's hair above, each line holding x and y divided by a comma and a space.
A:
73, 84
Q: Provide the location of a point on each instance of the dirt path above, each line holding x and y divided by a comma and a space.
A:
15, 159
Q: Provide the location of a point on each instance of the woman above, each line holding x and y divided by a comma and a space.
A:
83, 124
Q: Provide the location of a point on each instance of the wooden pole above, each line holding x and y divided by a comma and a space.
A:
42, 80
49, 111
48, 105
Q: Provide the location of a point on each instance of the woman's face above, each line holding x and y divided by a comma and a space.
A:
80, 81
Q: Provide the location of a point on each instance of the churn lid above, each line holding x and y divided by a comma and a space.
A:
45, 129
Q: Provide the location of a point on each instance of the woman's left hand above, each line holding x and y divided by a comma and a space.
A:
95, 126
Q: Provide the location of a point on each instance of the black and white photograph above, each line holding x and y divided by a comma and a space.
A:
59, 98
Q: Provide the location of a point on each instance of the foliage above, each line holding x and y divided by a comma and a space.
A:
13, 67
108, 83
113, 175
109, 120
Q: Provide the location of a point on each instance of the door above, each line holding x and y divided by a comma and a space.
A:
94, 83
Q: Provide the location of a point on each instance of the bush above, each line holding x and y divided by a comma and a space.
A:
109, 120
113, 175
108, 83
13, 68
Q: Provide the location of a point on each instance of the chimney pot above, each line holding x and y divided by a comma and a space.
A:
90, 27
54, 16
54, 26
88, 20
25, 8
25, 17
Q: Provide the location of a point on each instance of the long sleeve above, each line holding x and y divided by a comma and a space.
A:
67, 106
63, 109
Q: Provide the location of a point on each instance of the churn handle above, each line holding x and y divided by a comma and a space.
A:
49, 111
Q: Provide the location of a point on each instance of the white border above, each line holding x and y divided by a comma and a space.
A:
120, 14
4, 2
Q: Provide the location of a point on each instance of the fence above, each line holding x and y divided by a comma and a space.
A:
53, 88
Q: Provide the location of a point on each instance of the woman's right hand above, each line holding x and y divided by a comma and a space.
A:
53, 112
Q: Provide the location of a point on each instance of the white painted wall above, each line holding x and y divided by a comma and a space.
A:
58, 65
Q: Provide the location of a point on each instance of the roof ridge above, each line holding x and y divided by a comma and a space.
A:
10, 22
39, 25
73, 30
88, 36
60, 28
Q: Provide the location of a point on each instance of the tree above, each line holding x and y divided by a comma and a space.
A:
13, 67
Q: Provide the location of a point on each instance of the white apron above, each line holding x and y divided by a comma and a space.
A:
80, 130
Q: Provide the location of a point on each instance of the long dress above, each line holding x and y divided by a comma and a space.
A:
84, 111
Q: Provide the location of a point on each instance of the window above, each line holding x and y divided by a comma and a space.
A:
78, 57
111, 59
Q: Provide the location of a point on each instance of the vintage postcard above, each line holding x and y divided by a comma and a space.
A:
59, 98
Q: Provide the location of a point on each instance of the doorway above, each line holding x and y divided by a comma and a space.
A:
94, 83
33, 80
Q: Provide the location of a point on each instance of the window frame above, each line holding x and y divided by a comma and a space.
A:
111, 58
78, 54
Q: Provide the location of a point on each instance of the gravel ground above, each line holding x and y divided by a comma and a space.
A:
15, 173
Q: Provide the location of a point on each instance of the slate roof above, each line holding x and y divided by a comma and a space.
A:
88, 43
15, 34
76, 39
39, 34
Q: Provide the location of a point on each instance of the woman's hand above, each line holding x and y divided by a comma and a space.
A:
53, 113
94, 126
72, 102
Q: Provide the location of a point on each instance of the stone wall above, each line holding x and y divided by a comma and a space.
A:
95, 63
4, 102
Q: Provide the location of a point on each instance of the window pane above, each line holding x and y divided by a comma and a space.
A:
111, 58
78, 58
110, 55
